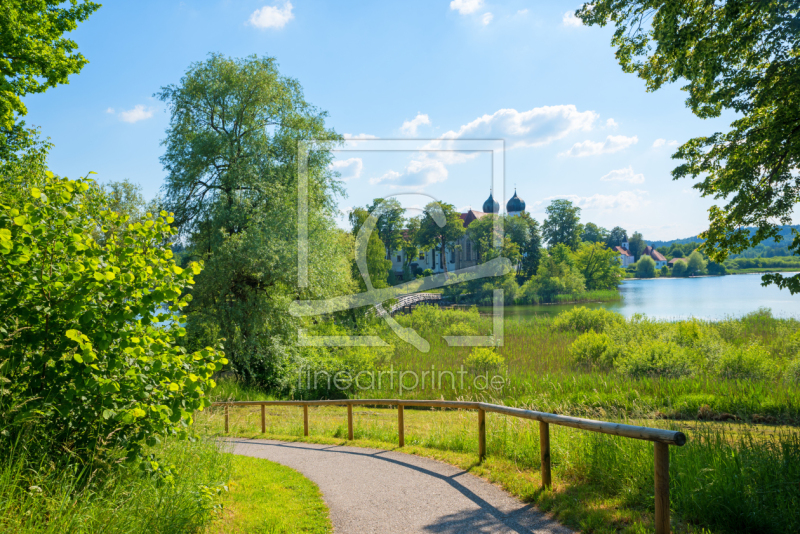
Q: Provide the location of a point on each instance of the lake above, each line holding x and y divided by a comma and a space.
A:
713, 297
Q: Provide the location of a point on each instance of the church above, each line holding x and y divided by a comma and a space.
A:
458, 257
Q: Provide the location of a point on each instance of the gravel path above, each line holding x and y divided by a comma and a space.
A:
376, 491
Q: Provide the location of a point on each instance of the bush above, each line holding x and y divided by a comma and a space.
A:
91, 349
482, 360
751, 362
679, 269
645, 267
655, 359
793, 371
584, 319
591, 349
696, 263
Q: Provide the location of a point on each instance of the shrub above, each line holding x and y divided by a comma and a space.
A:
645, 267
591, 348
89, 331
655, 359
750, 362
696, 263
793, 371
679, 269
584, 319
482, 360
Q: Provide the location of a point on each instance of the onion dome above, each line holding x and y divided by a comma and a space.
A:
491, 205
516, 204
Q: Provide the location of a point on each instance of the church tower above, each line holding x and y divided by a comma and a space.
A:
515, 205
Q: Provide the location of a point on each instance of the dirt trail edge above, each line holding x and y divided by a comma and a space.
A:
371, 491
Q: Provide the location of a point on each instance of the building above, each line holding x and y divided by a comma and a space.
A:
625, 256
659, 258
464, 254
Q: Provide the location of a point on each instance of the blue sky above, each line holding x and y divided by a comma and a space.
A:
574, 124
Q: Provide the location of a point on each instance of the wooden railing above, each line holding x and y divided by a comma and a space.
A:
661, 438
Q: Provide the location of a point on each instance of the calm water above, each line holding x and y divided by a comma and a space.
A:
676, 298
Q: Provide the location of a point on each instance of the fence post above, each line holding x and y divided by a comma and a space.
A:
263, 418
305, 420
661, 457
226, 418
350, 422
544, 447
481, 434
400, 426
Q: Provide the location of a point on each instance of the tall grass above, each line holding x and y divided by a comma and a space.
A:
55, 496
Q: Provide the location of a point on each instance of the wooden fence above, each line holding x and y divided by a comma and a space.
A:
661, 439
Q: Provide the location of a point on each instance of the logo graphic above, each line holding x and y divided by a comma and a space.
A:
375, 297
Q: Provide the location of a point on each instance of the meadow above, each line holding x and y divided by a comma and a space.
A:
731, 386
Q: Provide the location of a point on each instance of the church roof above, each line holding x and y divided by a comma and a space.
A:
515, 204
491, 205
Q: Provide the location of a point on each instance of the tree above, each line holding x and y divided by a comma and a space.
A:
91, 349
696, 263
637, 245
594, 234
562, 224
34, 56
390, 223
378, 266
232, 161
433, 236
738, 56
679, 268
599, 266
646, 267
524, 231
409, 245
616, 237
125, 198
482, 234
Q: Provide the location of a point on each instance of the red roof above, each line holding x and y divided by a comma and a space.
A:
622, 251
673, 260
470, 216
653, 253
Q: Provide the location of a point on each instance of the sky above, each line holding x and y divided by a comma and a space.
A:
572, 124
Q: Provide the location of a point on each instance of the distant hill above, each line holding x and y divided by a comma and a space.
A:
786, 232
768, 248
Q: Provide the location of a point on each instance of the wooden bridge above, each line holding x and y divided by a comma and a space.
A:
405, 303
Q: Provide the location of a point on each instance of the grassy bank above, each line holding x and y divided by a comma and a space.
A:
43, 497
269, 498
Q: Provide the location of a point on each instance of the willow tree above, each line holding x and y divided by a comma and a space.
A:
734, 55
232, 163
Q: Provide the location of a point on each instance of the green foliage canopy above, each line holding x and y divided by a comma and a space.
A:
738, 55
645, 267
599, 266
562, 224
34, 56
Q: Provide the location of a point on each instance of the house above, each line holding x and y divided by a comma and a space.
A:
671, 262
625, 256
659, 258
464, 254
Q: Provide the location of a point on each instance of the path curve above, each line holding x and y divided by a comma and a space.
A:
382, 492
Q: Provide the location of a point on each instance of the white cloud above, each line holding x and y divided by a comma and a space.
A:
138, 113
350, 169
625, 201
534, 127
110, 110
623, 175
522, 12
487, 18
360, 136
418, 174
410, 127
571, 20
272, 16
613, 143
465, 7
661, 142
611, 123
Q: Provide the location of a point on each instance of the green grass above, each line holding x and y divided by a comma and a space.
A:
597, 295
268, 498
45, 497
